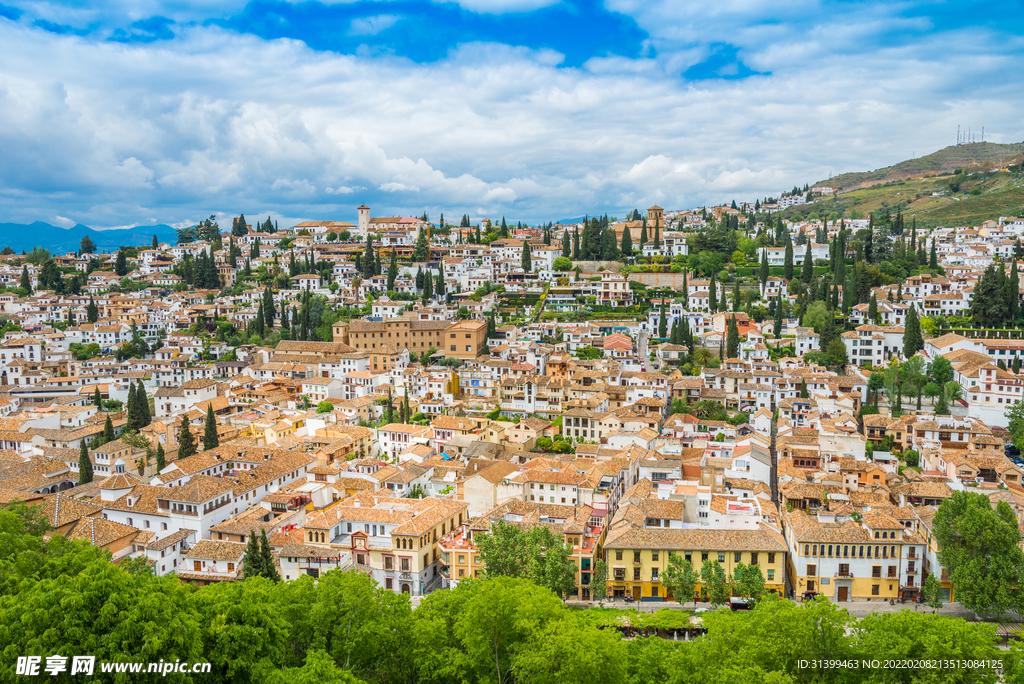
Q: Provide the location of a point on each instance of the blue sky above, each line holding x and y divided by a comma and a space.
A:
119, 113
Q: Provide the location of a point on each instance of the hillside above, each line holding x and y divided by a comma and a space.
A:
969, 157
19, 236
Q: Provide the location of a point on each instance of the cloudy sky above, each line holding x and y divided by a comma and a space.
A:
122, 112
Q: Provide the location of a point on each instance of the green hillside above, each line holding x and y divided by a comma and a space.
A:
990, 185
969, 157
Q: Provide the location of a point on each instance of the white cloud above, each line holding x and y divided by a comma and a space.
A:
218, 122
501, 6
63, 222
371, 26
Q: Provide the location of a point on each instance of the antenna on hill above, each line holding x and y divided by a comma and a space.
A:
958, 134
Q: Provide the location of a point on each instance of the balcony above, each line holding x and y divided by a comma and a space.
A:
843, 575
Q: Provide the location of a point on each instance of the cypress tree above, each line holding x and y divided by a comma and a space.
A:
713, 295
526, 263
393, 269
912, 340
873, 308
657, 233
736, 296
807, 270
673, 336
942, 405
186, 442
566, 249
933, 261
686, 293
108, 431
575, 244
210, 438
777, 325
732, 343
26, 282
662, 322
764, 266
161, 458
121, 263
1013, 294
252, 563
627, 243
92, 312
643, 235
269, 569
130, 409
96, 398
142, 403
84, 465
269, 313
788, 264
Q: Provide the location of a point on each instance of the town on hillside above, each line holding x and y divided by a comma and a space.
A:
693, 405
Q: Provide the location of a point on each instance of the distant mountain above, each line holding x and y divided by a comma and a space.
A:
970, 157
19, 236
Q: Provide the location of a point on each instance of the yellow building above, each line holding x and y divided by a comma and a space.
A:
875, 558
637, 557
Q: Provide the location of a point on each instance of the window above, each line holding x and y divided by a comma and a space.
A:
389, 563
844, 569
771, 558
874, 589
618, 555
231, 567
704, 556
405, 565
892, 571
654, 557
876, 570
388, 584
721, 556
737, 557
812, 570
771, 575
636, 574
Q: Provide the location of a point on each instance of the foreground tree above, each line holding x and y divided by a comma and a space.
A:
679, 578
979, 547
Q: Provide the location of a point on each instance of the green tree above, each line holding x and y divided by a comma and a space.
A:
186, 442
108, 431
555, 654
931, 590
714, 581
680, 579
504, 550
210, 437
84, 465
748, 581
26, 282
562, 264
627, 243
807, 269
873, 309
837, 354
662, 322
732, 342
252, 563
940, 370
422, 250
788, 263
87, 246
92, 312
161, 458
979, 547
325, 407
267, 564
912, 340
121, 263
526, 263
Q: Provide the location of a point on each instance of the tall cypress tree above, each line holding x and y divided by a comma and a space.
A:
84, 465
788, 264
662, 322
575, 244
736, 296
252, 563
933, 260
186, 442
912, 340
686, 293
142, 402
210, 438
657, 233
96, 398
26, 282
130, 409
643, 235
713, 294
92, 312
108, 431
807, 270
1013, 294
392, 270
777, 324
566, 246
732, 342
526, 262
764, 266
161, 457
627, 243
268, 568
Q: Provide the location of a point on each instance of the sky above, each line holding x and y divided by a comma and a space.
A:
119, 112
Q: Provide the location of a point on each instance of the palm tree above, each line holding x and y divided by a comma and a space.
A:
702, 356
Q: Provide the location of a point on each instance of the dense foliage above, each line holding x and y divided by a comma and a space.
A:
62, 597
